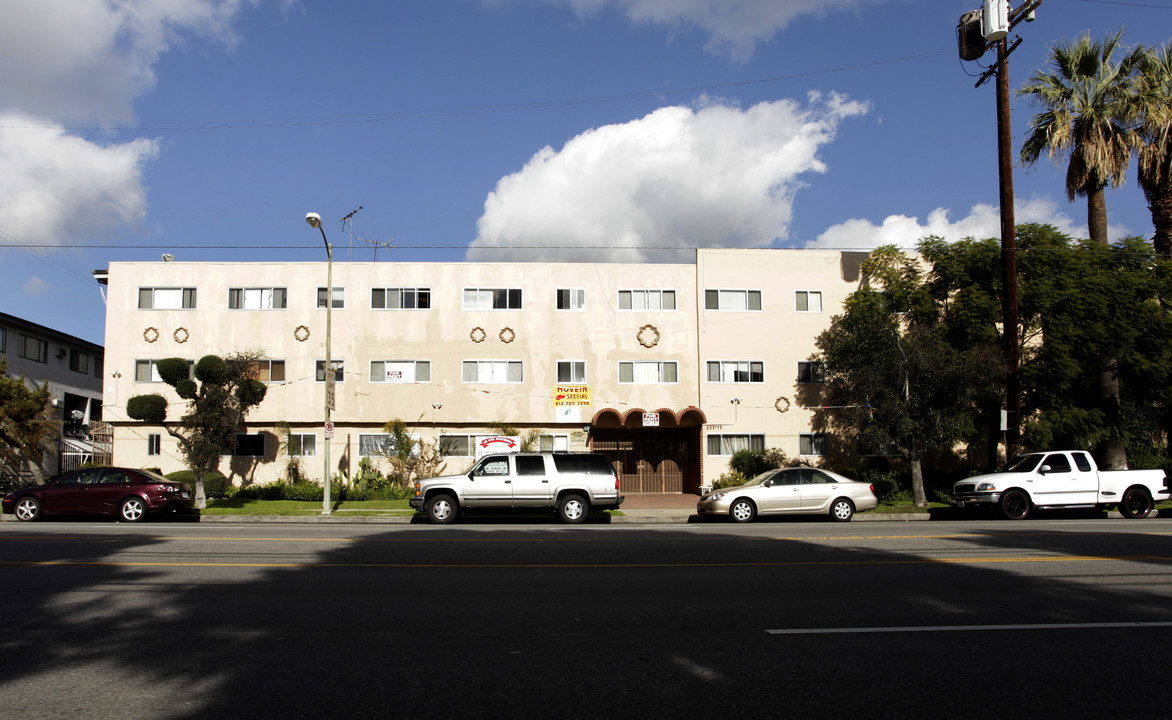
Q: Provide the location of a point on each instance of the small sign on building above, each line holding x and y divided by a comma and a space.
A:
650, 419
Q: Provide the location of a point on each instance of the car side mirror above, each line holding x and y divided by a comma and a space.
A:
768, 483
1044, 469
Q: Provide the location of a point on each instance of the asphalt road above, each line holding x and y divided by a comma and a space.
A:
985, 619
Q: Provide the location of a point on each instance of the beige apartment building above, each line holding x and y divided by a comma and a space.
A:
666, 368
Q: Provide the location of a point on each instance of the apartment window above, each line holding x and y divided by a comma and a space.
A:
79, 361
400, 371
571, 372
648, 373
734, 300
383, 445
31, 348
166, 298
493, 371
812, 444
400, 298
808, 301
647, 299
492, 298
339, 298
571, 299
148, 370
268, 371
3, 340
257, 298
302, 445
457, 445
338, 366
154, 444
98, 363
727, 443
249, 445
736, 371
811, 372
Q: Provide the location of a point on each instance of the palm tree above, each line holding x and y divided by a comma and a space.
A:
1087, 105
1154, 107
1088, 101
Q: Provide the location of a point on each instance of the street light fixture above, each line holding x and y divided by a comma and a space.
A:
314, 220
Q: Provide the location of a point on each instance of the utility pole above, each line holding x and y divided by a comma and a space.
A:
978, 31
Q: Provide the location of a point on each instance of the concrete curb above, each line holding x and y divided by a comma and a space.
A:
641, 517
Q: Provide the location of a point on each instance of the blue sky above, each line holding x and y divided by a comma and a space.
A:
499, 129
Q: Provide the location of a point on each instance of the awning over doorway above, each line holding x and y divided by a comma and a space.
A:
633, 418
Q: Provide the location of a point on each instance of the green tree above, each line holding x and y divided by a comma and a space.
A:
26, 421
889, 353
216, 407
1154, 108
1088, 105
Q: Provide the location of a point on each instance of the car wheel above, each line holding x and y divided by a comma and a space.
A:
842, 510
27, 509
572, 509
742, 510
132, 509
441, 509
1136, 503
1015, 505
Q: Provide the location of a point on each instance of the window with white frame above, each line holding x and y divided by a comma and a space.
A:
571, 299
383, 445
571, 372
302, 445
150, 298
647, 299
457, 445
267, 371
553, 443
272, 298
249, 445
400, 371
492, 298
338, 295
808, 301
493, 371
724, 444
32, 348
148, 371
640, 372
732, 300
811, 372
400, 298
338, 366
736, 371
154, 444
812, 444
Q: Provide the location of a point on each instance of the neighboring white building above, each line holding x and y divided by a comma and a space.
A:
667, 368
73, 369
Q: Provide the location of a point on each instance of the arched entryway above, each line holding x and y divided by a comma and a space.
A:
654, 451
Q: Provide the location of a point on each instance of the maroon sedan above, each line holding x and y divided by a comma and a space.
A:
128, 493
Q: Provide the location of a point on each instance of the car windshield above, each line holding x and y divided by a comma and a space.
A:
154, 476
1023, 463
762, 477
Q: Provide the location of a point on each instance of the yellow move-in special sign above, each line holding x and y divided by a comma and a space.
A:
571, 395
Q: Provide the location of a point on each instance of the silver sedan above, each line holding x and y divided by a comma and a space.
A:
791, 491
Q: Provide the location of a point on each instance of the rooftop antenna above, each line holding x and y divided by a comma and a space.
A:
348, 227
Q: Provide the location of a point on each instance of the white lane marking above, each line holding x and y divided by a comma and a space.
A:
961, 628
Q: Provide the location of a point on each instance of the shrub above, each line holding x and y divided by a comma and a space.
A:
886, 483
727, 480
750, 464
215, 485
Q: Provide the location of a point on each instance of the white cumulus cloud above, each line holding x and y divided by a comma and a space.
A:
679, 177
734, 27
983, 221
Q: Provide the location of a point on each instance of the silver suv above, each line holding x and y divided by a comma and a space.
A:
571, 483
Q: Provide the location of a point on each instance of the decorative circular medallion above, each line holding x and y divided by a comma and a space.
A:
507, 335
181, 335
477, 335
301, 334
648, 336
150, 334
782, 404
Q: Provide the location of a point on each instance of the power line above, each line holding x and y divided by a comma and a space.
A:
1131, 4
452, 112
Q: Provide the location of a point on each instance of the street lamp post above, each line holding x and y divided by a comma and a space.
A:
314, 220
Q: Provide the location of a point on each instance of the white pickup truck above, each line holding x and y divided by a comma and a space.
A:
1062, 479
